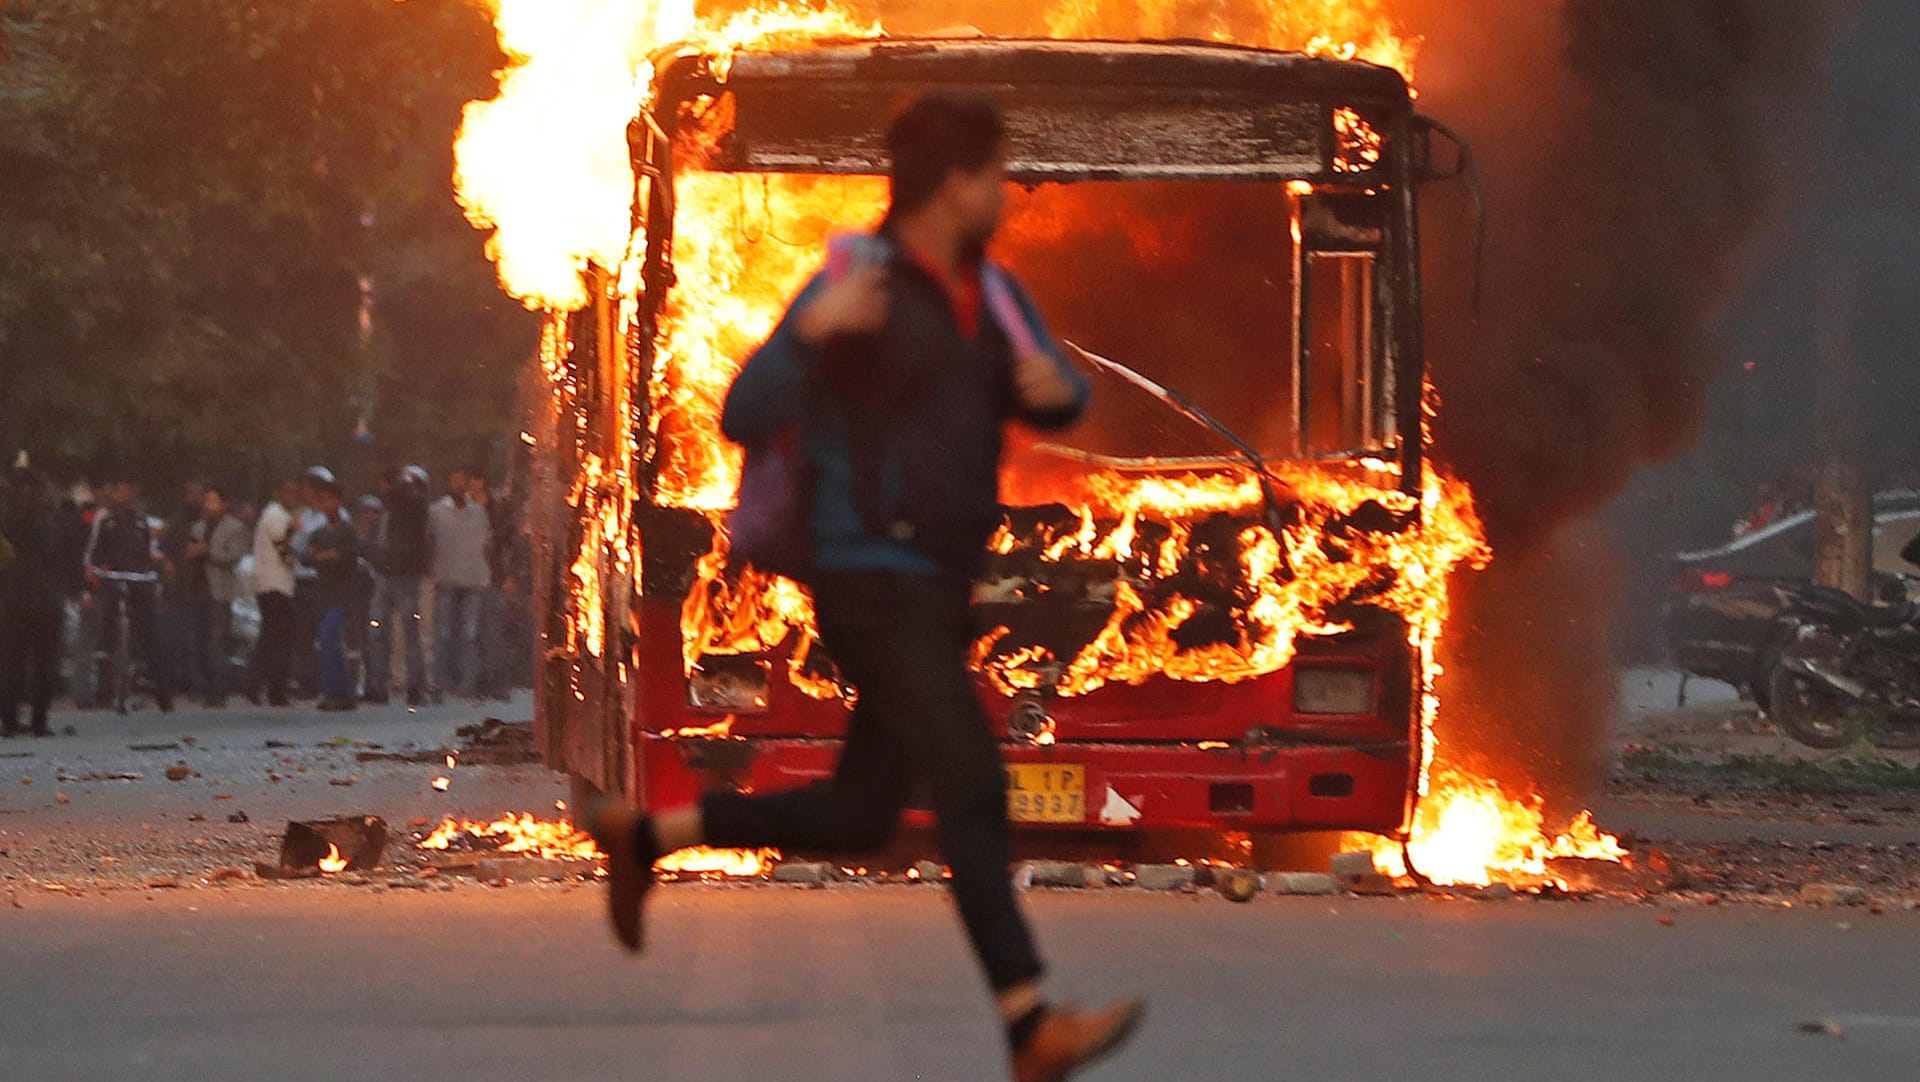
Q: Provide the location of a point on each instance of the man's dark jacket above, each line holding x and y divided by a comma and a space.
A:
908, 421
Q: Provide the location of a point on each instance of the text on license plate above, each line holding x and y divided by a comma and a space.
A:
1046, 793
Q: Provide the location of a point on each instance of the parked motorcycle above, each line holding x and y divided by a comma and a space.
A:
1845, 670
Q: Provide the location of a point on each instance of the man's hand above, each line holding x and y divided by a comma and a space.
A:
856, 304
1042, 386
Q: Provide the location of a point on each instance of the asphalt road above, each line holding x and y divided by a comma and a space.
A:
332, 982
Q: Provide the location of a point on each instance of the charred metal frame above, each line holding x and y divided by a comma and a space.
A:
1177, 75
1223, 82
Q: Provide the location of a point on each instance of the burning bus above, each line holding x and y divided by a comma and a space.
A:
1213, 605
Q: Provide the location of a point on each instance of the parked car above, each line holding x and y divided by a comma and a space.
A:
1725, 605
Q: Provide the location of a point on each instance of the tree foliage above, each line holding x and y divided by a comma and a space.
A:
191, 192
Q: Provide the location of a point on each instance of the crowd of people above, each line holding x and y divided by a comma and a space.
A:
403, 593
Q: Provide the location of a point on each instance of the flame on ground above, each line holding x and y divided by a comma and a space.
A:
559, 839
333, 861
1469, 832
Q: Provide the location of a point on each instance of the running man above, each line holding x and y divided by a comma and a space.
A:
899, 372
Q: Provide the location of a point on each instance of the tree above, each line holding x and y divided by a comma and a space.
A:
190, 194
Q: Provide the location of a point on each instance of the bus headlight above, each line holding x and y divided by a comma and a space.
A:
1333, 691
730, 685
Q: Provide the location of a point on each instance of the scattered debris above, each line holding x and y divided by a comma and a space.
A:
499, 872
1052, 873
1311, 883
1373, 885
356, 843
1163, 876
1236, 884
111, 776
1833, 894
497, 743
1350, 866
344, 782
1824, 1029
816, 875
153, 747
239, 817
179, 772
227, 875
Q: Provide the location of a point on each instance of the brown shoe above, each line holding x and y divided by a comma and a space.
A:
1069, 1039
628, 878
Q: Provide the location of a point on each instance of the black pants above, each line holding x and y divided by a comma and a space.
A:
29, 663
216, 640
902, 640
273, 658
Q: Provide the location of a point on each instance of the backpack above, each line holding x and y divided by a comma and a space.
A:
771, 525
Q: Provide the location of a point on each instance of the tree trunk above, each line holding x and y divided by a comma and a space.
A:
1843, 492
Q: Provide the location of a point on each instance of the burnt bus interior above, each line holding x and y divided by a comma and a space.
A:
1234, 224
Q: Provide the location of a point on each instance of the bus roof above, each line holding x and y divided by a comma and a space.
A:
1076, 110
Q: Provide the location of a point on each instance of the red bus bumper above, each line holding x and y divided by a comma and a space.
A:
1126, 786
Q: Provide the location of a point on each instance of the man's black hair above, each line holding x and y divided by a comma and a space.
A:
937, 136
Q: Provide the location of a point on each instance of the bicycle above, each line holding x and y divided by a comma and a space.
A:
116, 683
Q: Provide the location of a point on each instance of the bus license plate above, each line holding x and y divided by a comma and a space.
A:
1046, 793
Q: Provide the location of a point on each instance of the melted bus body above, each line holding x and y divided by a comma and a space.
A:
1174, 632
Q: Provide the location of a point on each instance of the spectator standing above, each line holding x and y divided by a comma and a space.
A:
227, 544
493, 672
36, 578
121, 557
274, 585
369, 580
306, 608
183, 591
458, 533
398, 620
331, 552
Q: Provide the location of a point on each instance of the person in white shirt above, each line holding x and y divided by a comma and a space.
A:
458, 531
273, 582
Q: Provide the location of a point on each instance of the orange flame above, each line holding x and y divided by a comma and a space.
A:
560, 840
1470, 832
333, 861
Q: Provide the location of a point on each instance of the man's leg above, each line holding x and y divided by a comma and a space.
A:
13, 670
218, 638
330, 631
378, 655
274, 656
410, 624
43, 663
188, 645
854, 812
914, 633
493, 643
469, 626
445, 623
